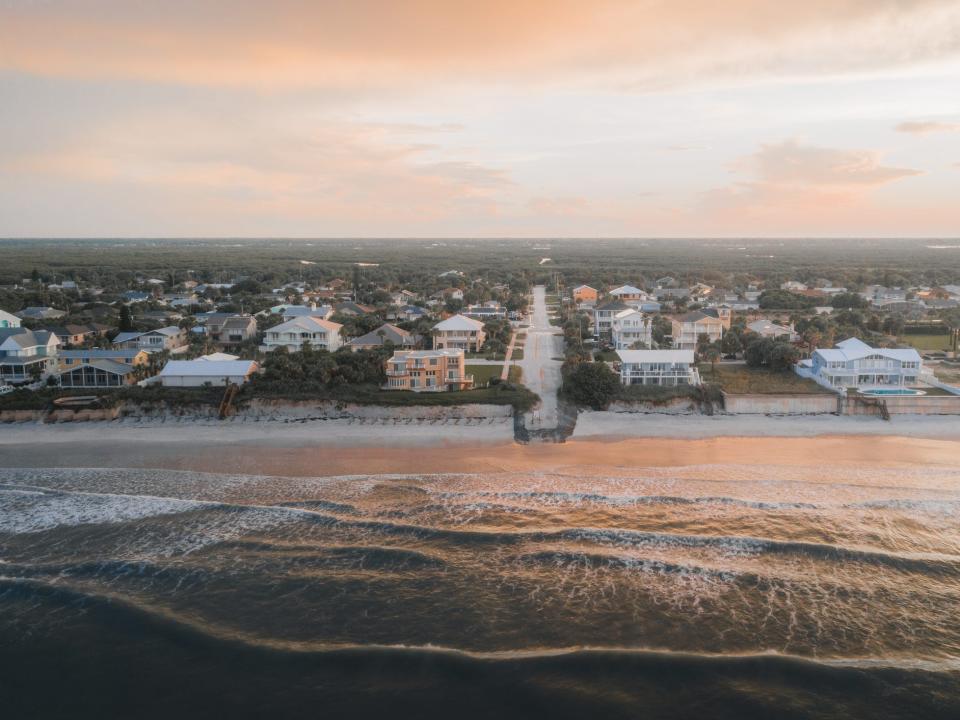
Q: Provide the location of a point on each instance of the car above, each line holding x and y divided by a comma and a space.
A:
6, 389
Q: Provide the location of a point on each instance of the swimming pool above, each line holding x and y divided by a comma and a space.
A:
892, 391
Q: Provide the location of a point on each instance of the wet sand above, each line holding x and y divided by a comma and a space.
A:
311, 451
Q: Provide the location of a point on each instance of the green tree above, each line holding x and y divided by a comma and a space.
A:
592, 385
126, 320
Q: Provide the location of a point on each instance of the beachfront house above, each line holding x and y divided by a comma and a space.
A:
690, 326
458, 333
428, 371
854, 364
26, 355
197, 373
658, 367
295, 333
172, 339
102, 373
70, 359
630, 327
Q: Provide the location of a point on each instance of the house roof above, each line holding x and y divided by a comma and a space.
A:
27, 338
584, 287
323, 311
107, 365
765, 327
627, 290
628, 312
308, 323
97, 353
207, 368
458, 322
695, 316
391, 333
4, 315
613, 305
650, 356
448, 352
855, 349
218, 357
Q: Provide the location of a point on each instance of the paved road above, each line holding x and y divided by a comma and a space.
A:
541, 372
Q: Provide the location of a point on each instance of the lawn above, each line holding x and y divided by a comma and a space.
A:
605, 355
483, 373
743, 380
517, 353
515, 375
929, 343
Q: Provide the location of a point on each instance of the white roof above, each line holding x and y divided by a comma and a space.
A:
4, 315
627, 290
449, 352
308, 323
627, 313
459, 322
208, 368
766, 327
656, 356
218, 357
854, 349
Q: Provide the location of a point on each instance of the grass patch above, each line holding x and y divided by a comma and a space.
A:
743, 380
663, 394
515, 374
483, 373
929, 343
517, 353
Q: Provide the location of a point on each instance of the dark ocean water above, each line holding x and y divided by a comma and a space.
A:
715, 591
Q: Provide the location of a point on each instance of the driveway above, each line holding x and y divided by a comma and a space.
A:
541, 372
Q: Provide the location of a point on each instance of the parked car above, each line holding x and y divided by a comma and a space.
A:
6, 389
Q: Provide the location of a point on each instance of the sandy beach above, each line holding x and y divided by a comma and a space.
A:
601, 439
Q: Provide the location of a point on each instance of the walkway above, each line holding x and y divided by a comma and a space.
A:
542, 358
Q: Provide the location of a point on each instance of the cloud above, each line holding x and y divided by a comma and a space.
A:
376, 43
790, 164
920, 127
802, 187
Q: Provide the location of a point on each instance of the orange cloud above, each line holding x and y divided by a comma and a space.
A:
301, 43
924, 127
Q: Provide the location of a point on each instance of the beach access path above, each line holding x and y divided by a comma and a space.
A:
542, 358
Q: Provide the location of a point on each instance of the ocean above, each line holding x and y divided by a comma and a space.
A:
707, 591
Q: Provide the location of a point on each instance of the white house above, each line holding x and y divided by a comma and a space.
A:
768, 329
293, 334
658, 367
603, 315
172, 338
459, 333
26, 354
853, 363
630, 327
197, 373
8, 321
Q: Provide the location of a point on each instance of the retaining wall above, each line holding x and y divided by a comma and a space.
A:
905, 405
786, 404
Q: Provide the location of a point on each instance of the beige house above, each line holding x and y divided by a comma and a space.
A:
294, 334
133, 357
688, 327
231, 330
428, 371
459, 333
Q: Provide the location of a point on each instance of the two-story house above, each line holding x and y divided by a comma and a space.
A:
584, 294
293, 334
172, 339
428, 371
687, 328
854, 364
658, 367
628, 294
459, 333
230, 330
70, 359
26, 355
603, 315
630, 327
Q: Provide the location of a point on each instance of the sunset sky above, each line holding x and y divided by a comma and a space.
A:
496, 118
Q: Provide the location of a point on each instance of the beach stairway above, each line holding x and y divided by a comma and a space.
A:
226, 404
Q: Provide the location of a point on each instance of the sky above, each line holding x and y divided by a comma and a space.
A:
502, 118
